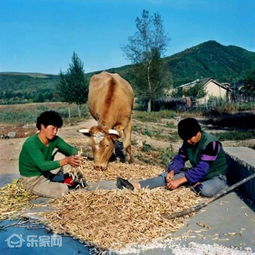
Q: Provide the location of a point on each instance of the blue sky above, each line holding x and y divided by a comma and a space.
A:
41, 35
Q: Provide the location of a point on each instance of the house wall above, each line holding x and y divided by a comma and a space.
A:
214, 90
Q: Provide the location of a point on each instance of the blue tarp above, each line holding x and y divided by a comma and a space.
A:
31, 239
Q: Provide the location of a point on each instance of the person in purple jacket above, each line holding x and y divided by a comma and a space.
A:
206, 175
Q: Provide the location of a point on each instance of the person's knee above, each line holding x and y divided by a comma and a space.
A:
207, 191
211, 188
53, 190
60, 191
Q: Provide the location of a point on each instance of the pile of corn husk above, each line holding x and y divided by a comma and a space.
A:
128, 171
13, 200
113, 219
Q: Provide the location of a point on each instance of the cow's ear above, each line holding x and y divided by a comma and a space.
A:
85, 131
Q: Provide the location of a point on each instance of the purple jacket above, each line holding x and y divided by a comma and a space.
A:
199, 171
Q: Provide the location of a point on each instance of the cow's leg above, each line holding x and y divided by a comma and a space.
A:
119, 152
127, 141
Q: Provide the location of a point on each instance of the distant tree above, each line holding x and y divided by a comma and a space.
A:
145, 50
197, 91
177, 92
73, 86
249, 84
39, 98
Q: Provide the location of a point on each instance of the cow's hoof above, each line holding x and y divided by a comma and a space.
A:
123, 183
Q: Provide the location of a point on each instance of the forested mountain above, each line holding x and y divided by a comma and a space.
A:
209, 59
27, 87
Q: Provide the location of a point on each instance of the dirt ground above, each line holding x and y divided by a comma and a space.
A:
10, 148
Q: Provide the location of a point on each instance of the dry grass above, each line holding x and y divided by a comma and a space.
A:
114, 170
113, 219
110, 219
13, 200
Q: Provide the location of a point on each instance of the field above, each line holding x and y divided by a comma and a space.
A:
154, 137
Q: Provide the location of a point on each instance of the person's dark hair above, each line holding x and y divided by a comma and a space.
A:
49, 118
188, 128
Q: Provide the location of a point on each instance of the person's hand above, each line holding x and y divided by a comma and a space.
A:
174, 184
73, 161
170, 176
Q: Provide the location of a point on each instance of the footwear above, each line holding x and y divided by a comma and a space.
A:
122, 183
74, 184
196, 188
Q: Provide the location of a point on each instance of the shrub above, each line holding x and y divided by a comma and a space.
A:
147, 147
234, 135
245, 106
154, 116
166, 155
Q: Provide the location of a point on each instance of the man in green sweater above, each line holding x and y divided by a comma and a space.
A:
36, 160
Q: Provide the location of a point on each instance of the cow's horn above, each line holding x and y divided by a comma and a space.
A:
84, 131
113, 132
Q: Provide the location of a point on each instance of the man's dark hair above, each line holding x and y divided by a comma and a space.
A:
188, 128
49, 118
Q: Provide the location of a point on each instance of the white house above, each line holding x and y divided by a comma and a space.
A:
212, 88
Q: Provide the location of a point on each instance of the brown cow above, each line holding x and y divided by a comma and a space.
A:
110, 102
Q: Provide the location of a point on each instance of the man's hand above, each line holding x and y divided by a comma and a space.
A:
71, 160
174, 184
170, 176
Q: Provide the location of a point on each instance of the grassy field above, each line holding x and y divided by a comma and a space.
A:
235, 135
28, 113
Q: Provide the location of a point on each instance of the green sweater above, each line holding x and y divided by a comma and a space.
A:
35, 157
219, 166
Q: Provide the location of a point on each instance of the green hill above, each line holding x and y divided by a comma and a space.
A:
211, 59
27, 87
208, 59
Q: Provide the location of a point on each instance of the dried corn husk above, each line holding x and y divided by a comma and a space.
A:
114, 170
112, 219
13, 199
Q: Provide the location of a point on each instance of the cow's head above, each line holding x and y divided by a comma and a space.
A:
102, 143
